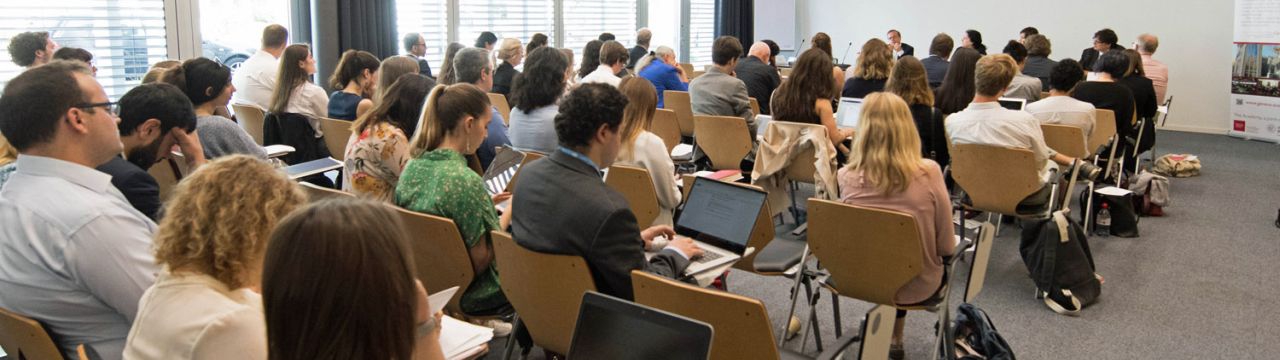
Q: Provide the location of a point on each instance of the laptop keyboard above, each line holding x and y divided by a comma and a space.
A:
707, 256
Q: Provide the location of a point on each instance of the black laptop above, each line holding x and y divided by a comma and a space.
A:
612, 328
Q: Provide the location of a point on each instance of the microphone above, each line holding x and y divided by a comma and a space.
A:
846, 52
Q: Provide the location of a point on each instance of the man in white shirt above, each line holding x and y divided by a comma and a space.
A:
1060, 108
1155, 70
255, 80
77, 256
613, 58
1023, 86
985, 122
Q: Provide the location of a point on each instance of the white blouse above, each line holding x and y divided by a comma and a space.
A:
310, 100
194, 316
651, 154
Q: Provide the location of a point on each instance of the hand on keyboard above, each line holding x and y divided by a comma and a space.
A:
707, 256
686, 246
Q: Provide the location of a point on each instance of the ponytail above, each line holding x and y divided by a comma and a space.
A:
443, 112
429, 134
645, 61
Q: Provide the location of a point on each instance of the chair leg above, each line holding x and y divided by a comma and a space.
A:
511, 339
835, 313
812, 318
795, 297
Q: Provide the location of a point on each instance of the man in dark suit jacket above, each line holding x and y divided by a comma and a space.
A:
562, 206
1103, 40
899, 48
760, 78
643, 36
416, 46
936, 65
153, 118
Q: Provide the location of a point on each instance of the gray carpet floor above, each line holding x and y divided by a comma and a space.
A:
1195, 285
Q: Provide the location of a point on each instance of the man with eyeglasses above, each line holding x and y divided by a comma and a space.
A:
1104, 40
416, 45
77, 256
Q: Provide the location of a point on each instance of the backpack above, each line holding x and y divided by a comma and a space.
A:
1056, 253
976, 337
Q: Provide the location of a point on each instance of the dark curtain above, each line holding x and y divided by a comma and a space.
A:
735, 18
300, 22
368, 25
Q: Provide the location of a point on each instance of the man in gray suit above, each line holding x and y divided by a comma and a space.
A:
935, 66
562, 206
719, 92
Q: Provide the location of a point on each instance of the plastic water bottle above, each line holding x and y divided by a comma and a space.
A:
1104, 221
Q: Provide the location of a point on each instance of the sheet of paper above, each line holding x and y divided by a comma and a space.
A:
458, 337
1113, 191
681, 150
440, 299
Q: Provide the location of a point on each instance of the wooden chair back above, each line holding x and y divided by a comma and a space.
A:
500, 101
873, 261
687, 67
696, 74
167, 176
741, 324
529, 157
336, 133
440, 255
1065, 139
24, 338
996, 178
316, 193
637, 187
1104, 128
250, 117
545, 289
682, 104
755, 107
728, 140
666, 125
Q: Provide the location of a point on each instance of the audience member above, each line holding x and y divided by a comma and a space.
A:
538, 40
936, 64
7, 156
973, 40
78, 256
569, 79
718, 92
338, 283
1144, 91
153, 118
486, 40
757, 73
392, 68
31, 49
663, 72
1104, 40
643, 37
886, 171
153, 74
415, 47
1026, 33
1038, 64
1023, 86
908, 81
1154, 69
256, 77
437, 181
208, 85
1060, 108
613, 59
774, 50
1104, 93
605, 36
806, 97
510, 55
473, 67
534, 101
957, 89
295, 93
204, 303
823, 41
563, 206
446, 67
590, 59
378, 148
78, 54
872, 70
643, 149
899, 48
354, 81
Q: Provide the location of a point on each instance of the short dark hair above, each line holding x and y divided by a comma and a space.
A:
1113, 62
585, 110
1106, 36
23, 47
274, 36
1066, 75
158, 101
725, 49
538, 40
73, 53
774, 49
1028, 31
941, 45
196, 76
605, 36
1016, 50
410, 40
470, 64
612, 52
542, 81
34, 101
485, 39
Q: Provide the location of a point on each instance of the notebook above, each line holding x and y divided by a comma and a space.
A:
312, 167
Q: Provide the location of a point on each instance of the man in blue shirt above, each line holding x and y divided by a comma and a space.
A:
472, 66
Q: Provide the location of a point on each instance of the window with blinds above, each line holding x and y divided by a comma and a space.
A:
429, 18
584, 20
518, 19
702, 32
125, 36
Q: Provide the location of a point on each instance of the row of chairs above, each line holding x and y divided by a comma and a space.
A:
732, 139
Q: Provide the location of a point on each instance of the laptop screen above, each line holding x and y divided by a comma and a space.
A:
612, 328
850, 110
506, 162
720, 213
1013, 104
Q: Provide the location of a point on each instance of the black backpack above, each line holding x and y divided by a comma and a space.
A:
1056, 253
976, 337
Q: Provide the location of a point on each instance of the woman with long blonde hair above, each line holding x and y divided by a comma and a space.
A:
641, 148
872, 70
885, 170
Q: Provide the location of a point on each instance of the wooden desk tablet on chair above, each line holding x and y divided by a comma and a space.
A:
545, 289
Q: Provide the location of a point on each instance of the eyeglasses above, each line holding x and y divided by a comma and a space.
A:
111, 106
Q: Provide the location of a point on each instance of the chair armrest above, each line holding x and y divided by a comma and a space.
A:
833, 351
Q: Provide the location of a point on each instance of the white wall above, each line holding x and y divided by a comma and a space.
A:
1195, 37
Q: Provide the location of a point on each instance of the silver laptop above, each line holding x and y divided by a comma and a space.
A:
719, 217
1014, 104
850, 110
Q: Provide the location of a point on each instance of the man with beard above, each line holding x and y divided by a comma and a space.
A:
153, 118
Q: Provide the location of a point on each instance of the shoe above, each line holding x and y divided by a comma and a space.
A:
793, 327
500, 328
896, 352
1062, 302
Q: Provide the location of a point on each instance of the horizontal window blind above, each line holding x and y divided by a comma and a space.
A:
702, 32
428, 17
518, 19
584, 20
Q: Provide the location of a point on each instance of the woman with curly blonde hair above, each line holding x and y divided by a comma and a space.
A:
211, 243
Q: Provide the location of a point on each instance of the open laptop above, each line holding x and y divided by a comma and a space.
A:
719, 217
506, 163
1013, 103
850, 110
312, 167
612, 328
